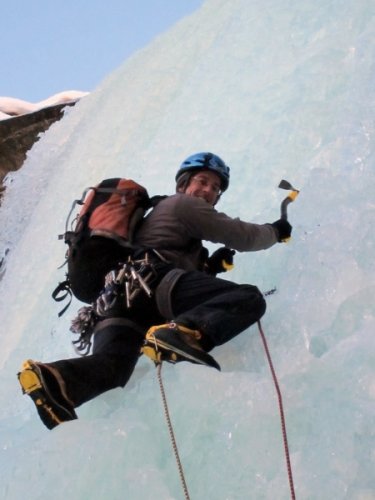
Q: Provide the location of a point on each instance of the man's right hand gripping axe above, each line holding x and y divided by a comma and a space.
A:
282, 225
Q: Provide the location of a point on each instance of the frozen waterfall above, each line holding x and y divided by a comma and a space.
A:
279, 90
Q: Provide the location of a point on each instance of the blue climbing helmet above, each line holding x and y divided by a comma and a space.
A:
206, 161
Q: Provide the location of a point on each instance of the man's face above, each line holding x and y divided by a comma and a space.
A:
205, 185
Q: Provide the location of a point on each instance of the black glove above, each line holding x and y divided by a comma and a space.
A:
283, 229
220, 261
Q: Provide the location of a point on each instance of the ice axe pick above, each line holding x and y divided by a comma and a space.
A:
291, 197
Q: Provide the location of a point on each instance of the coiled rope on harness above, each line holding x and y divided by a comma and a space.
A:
281, 411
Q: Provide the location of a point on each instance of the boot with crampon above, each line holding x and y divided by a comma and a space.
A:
42, 384
174, 342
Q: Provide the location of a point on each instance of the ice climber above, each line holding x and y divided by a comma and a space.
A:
190, 310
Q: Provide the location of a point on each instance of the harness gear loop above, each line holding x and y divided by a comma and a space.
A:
170, 429
125, 284
281, 409
61, 292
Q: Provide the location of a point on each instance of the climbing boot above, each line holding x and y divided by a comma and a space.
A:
45, 387
173, 343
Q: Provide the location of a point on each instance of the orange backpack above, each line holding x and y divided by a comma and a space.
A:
105, 226
112, 209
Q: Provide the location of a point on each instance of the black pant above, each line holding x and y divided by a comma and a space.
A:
115, 354
218, 308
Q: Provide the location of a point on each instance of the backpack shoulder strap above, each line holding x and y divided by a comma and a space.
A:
155, 200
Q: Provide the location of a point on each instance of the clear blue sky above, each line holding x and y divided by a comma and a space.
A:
48, 46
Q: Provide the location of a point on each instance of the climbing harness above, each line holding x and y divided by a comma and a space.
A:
171, 432
122, 286
281, 409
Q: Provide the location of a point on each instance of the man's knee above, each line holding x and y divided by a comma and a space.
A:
255, 301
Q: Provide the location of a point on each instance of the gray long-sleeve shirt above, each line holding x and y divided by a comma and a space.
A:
179, 223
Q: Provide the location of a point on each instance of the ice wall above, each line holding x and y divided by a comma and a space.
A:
279, 90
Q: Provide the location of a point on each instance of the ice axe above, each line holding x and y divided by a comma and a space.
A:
291, 197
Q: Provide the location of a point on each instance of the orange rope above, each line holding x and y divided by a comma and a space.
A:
282, 417
171, 433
